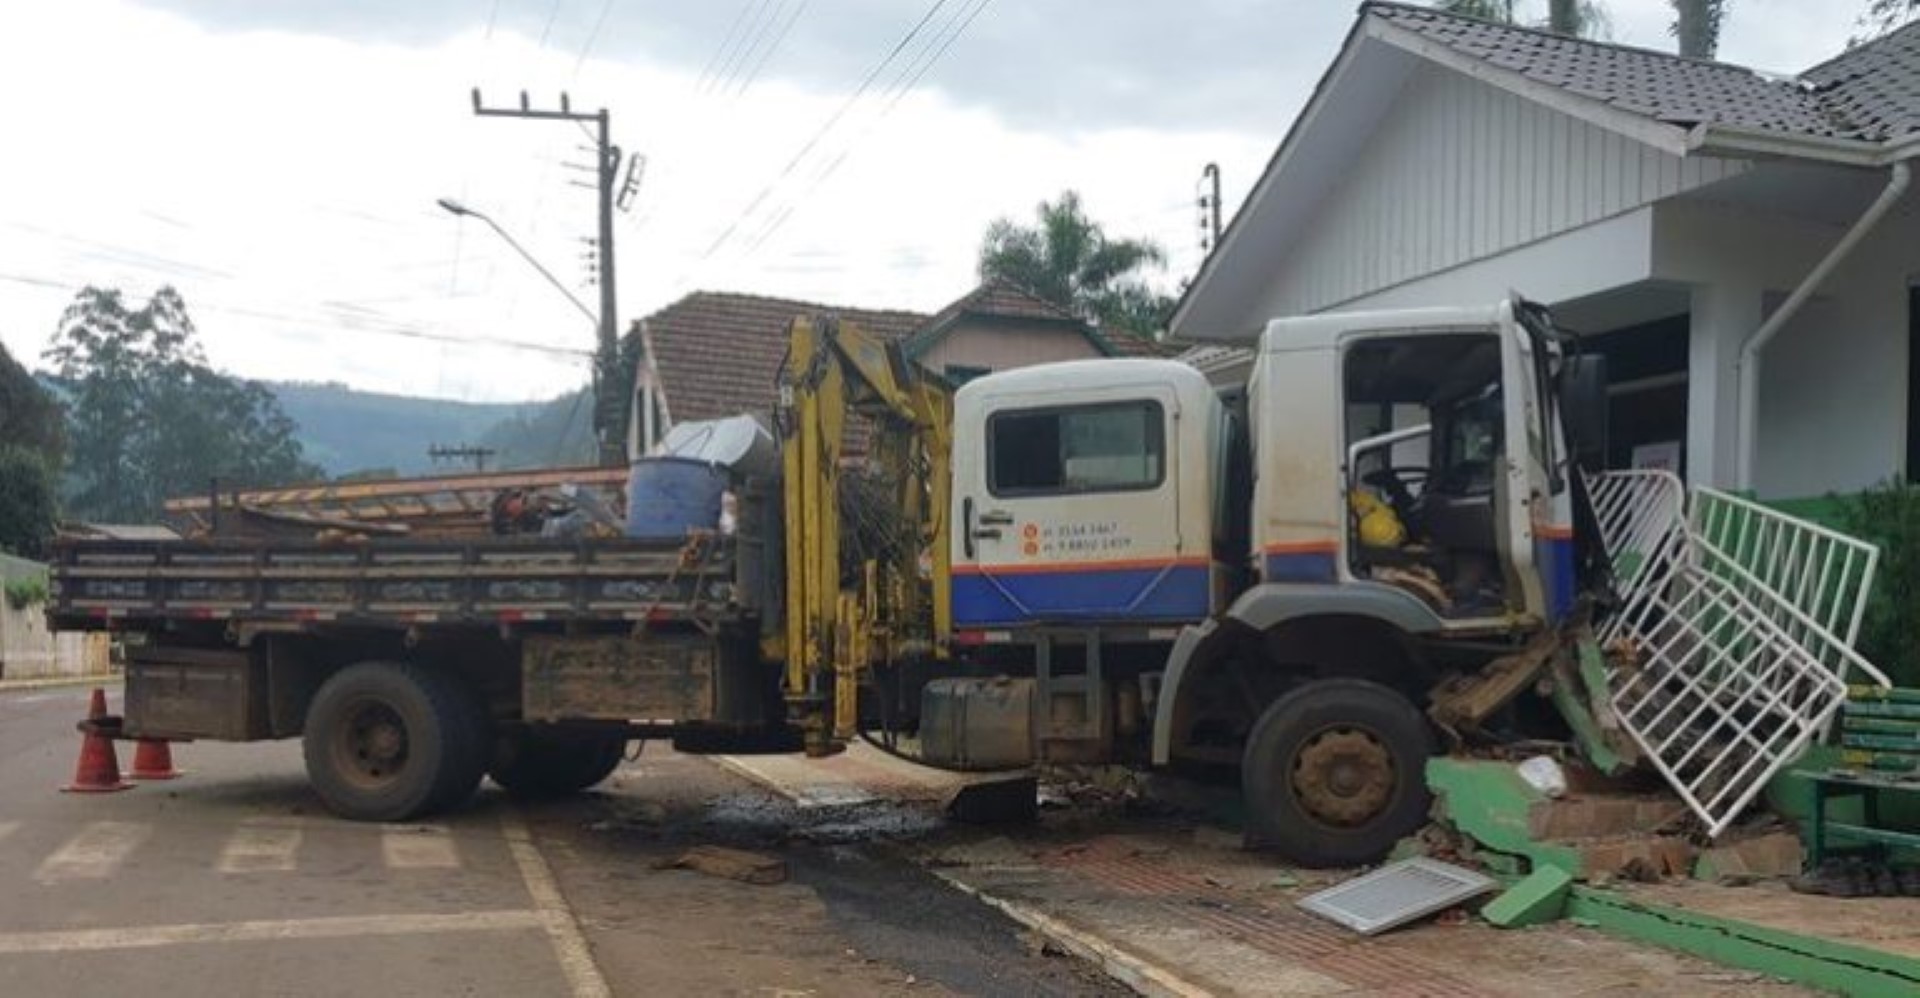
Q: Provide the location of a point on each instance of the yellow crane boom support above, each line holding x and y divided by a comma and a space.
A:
895, 606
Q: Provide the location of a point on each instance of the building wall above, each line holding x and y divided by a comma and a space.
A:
1833, 384
1461, 171
1000, 346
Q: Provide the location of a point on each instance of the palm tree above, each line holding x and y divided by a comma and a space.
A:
1882, 16
1067, 259
1696, 23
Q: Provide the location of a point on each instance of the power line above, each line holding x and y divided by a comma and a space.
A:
366, 321
957, 25
737, 41
592, 37
807, 147
747, 67
798, 9
726, 44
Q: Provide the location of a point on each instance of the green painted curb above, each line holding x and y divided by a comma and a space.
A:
1816, 963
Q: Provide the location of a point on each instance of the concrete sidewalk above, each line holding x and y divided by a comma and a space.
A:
1171, 908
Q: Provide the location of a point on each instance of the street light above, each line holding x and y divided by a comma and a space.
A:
456, 208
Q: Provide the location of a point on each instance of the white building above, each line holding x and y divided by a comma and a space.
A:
1715, 231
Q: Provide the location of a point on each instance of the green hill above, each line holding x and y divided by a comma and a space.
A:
345, 430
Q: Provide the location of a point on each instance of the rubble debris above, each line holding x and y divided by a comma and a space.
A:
1535, 900
1763, 857
733, 864
1855, 877
1394, 895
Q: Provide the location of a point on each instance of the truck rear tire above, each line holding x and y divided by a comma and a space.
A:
533, 764
389, 741
1335, 772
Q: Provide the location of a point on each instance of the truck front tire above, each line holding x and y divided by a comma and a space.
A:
390, 741
1334, 772
540, 764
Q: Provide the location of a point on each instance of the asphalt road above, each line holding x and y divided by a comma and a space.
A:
234, 880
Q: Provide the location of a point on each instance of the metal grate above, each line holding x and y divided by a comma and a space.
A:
1395, 895
1732, 642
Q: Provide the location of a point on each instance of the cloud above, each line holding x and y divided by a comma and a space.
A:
1061, 64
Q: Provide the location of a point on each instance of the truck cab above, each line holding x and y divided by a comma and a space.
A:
1268, 579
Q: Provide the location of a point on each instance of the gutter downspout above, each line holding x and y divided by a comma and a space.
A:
1748, 367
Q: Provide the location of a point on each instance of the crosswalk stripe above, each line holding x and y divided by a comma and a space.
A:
256, 848
94, 853
418, 847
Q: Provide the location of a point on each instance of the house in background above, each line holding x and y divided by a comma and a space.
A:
712, 354
1742, 247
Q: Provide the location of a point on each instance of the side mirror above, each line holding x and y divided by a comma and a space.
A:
1583, 409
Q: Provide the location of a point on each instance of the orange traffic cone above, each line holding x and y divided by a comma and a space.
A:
152, 760
99, 769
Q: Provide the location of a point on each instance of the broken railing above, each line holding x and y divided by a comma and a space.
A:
1731, 643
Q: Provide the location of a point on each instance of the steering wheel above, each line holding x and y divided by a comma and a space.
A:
1394, 481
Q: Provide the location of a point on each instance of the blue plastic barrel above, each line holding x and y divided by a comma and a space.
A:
668, 496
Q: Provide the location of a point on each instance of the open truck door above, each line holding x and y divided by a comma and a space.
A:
1074, 499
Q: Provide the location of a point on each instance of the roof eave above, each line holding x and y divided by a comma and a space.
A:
1749, 143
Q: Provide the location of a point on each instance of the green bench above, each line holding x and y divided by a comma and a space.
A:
1880, 752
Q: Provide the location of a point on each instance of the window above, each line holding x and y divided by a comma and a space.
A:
1109, 447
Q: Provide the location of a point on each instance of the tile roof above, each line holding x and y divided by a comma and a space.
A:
718, 354
1876, 86
999, 298
1870, 93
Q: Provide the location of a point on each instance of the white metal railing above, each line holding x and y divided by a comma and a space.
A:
1716, 693
1825, 575
1643, 523
1733, 640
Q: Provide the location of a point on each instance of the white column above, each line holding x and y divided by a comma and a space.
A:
1724, 314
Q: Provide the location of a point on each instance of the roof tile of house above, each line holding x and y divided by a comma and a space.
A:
1871, 93
719, 354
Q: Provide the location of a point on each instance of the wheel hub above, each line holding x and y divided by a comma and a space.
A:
375, 743
1343, 776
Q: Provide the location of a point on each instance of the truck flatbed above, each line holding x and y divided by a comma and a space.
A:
396, 583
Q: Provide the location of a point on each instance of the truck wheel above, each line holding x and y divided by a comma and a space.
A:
553, 764
1335, 772
388, 741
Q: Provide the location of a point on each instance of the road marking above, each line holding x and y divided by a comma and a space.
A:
569, 945
418, 847
94, 853
258, 848
341, 927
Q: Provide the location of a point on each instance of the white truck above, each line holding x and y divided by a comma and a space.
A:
1380, 539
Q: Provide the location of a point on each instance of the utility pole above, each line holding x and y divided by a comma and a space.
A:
608, 408
1210, 209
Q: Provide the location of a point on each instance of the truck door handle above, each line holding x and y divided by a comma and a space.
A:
997, 518
966, 527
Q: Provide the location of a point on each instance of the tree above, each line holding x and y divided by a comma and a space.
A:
1696, 23
29, 417
1882, 16
28, 511
32, 439
1067, 259
149, 419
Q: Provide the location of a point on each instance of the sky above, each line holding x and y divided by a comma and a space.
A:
278, 161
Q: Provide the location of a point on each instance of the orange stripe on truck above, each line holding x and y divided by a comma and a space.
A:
1035, 567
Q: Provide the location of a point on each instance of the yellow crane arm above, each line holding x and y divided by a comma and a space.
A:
841, 620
